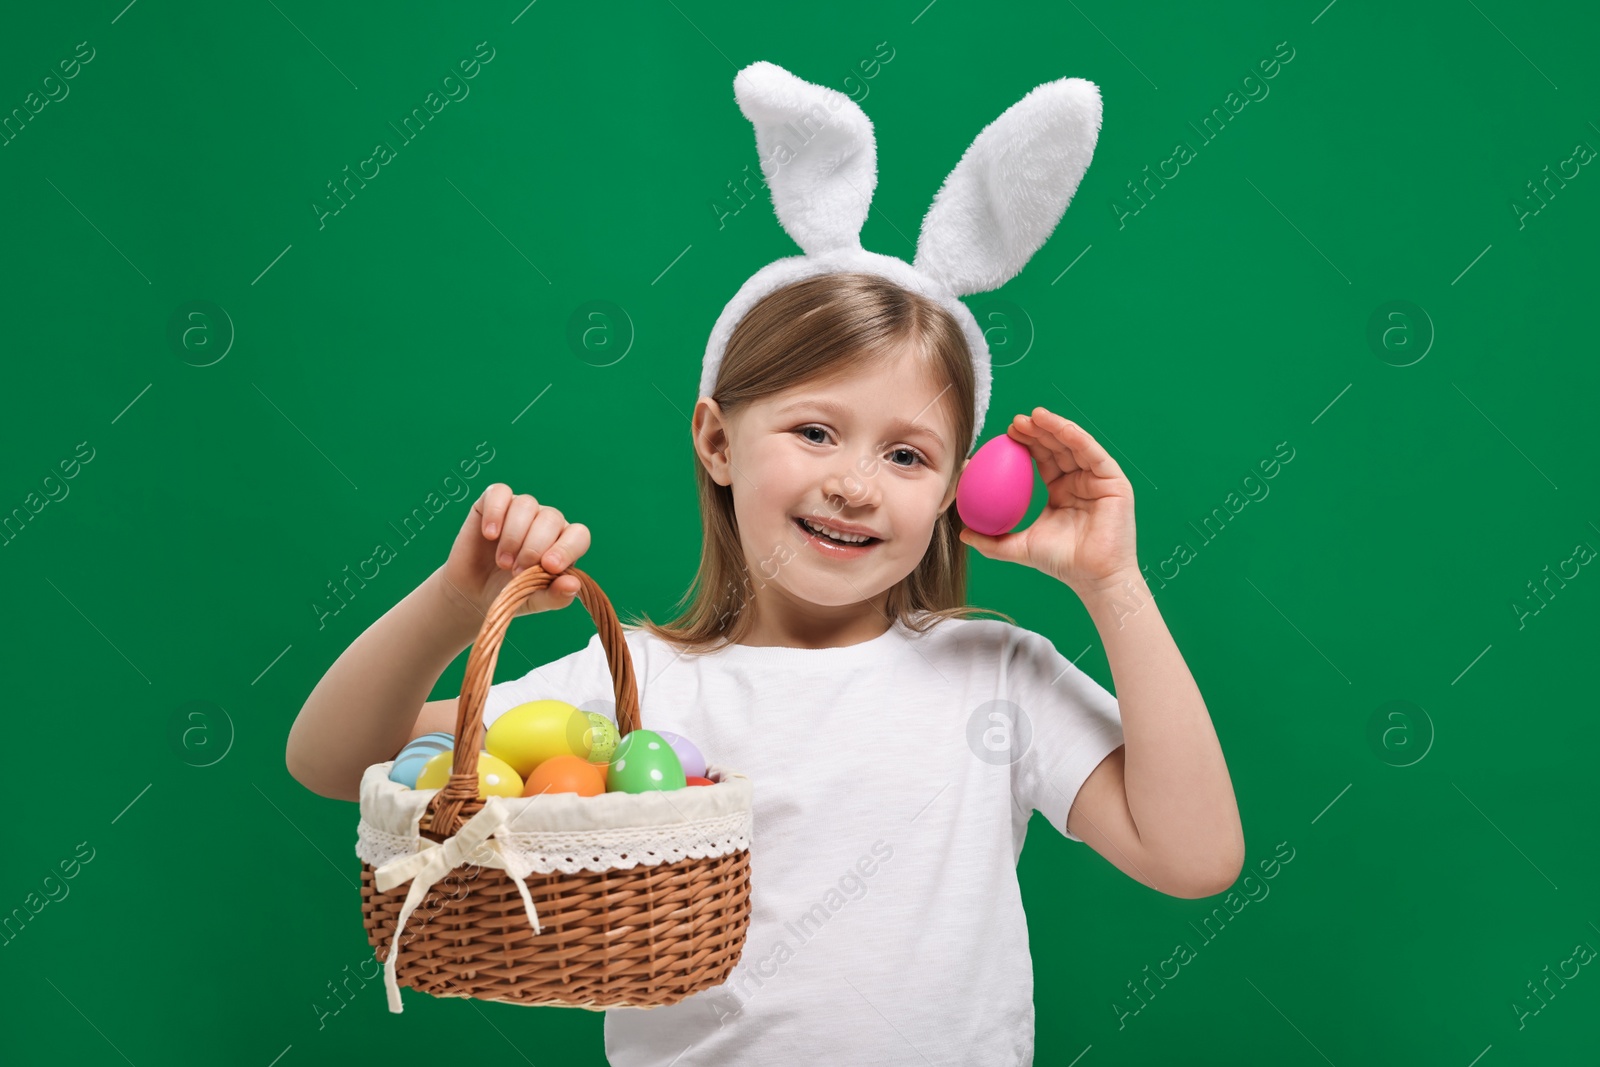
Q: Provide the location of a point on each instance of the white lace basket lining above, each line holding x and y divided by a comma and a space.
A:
568, 833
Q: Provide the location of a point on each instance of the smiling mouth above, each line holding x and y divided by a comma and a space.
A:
833, 540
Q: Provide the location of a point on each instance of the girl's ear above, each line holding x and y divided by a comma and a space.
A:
710, 430
1010, 188
817, 154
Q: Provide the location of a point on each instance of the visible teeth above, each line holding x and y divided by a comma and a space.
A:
836, 535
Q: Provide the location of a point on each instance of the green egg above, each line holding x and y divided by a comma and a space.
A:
602, 737
643, 762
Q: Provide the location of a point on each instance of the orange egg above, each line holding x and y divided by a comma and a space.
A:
697, 780
566, 774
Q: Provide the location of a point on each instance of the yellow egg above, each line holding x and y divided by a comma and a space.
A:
495, 777
528, 734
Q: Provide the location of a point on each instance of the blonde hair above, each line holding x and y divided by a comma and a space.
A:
822, 329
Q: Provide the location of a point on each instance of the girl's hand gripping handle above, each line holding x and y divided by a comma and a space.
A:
503, 534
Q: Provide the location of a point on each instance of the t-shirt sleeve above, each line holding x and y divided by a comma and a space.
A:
1073, 723
581, 678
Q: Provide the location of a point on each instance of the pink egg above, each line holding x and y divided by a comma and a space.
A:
997, 486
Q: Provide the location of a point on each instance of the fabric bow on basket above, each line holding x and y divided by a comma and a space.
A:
474, 844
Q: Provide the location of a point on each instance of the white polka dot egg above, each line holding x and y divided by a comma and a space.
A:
644, 762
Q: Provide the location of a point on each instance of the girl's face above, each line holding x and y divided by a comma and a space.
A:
874, 451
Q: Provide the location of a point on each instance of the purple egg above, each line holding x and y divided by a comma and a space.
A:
694, 764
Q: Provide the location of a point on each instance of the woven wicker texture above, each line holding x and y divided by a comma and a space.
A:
643, 937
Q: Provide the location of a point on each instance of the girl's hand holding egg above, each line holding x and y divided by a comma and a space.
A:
502, 536
1085, 535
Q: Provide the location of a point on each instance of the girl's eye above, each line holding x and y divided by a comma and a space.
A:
916, 457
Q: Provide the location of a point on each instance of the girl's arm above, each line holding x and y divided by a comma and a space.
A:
1179, 795
365, 707
1161, 808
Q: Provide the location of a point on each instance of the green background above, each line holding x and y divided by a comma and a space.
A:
1443, 850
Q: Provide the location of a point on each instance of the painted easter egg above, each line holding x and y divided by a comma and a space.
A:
694, 764
643, 762
566, 774
602, 737
496, 778
996, 487
528, 734
418, 751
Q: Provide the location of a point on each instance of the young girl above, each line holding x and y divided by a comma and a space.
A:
895, 744
896, 747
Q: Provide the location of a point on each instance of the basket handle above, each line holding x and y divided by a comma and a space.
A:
463, 783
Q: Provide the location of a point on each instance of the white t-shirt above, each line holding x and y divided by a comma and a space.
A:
892, 783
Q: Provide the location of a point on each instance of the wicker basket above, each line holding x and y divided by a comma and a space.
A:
541, 900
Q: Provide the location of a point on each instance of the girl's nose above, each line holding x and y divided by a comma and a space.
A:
853, 486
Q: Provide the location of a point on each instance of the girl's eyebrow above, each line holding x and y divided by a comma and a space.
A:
897, 426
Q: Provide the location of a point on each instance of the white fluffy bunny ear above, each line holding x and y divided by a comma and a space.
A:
1011, 187
817, 153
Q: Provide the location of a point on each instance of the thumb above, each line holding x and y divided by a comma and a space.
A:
1002, 548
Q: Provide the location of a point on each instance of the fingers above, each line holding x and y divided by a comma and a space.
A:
528, 533
519, 521
547, 526
1047, 438
1071, 443
1023, 431
554, 544
572, 543
492, 506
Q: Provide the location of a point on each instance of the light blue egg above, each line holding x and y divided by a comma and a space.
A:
409, 763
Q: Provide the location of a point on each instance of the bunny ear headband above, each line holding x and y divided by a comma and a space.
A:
994, 210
